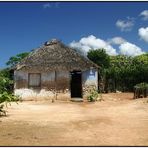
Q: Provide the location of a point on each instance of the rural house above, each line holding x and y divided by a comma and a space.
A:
55, 71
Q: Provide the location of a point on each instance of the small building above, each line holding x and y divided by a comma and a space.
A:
55, 71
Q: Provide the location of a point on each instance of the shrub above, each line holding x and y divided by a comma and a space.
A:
6, 95
141, 90
2, 111
7, 98
142, 85
93, 95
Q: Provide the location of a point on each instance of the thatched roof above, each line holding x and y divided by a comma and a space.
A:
54, 55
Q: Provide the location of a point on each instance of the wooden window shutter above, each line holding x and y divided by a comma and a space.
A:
34, 79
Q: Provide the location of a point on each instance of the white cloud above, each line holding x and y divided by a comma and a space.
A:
144, 15
51, 5
91, 42
116, 40
125, 25
130, 49
143, 33
47, 5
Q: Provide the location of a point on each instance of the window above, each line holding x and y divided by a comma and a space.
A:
34, 79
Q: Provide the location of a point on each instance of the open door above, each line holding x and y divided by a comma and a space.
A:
76, 84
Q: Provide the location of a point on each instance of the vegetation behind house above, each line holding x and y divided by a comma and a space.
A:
120, 72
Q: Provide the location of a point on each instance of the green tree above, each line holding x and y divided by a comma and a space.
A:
117, 72
141, 66
15, 59
100, 57
6, 82
6, 95
120, 72
125, 72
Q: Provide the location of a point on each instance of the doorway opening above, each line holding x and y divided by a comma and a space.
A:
76, 84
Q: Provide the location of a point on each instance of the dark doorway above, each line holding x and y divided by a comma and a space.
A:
76, 84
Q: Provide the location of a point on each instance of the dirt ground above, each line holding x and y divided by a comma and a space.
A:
117, 121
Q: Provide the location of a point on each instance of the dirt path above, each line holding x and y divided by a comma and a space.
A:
116, 121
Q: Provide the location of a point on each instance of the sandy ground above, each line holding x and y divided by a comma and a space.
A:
116, 121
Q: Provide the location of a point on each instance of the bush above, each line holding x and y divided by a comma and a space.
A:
141, 90
119, 72
2, 111
6, 95
5, 84
93, 95
142, 85
7, 98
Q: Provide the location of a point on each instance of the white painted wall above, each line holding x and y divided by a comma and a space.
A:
34, 94
30, 94
90, 77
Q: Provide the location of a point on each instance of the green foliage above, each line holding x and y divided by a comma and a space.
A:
141, 85
99, 57
6, 82
2, 111
93, 95
6, 73
120, 72
15, 59
6, 96
141, 90
125, 72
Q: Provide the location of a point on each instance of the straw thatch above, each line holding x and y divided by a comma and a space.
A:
54, 55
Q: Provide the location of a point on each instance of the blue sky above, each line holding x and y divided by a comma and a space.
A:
120, 27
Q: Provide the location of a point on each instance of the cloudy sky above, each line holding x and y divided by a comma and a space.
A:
119, 27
